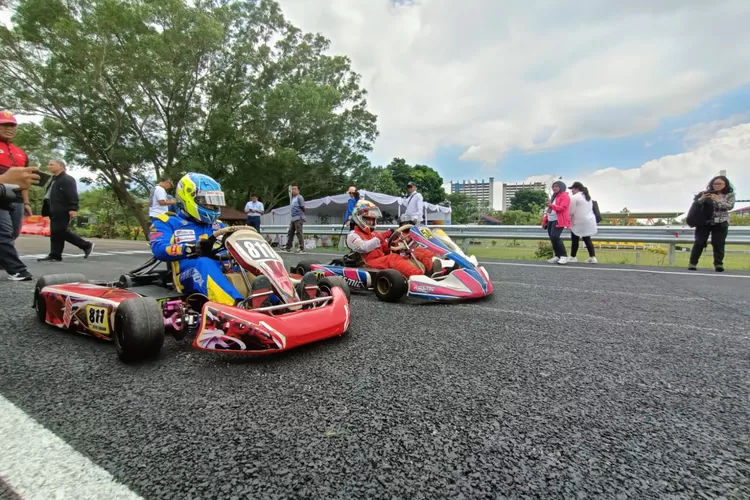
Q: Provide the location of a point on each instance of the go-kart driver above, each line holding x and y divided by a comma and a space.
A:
182, 238
374, 248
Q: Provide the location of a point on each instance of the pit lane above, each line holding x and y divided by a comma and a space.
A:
565, 381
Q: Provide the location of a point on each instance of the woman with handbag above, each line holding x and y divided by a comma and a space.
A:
556, 219
582, 222
710, 217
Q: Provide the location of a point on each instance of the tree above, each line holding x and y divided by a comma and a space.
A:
463, 208
428, 181
137, 88
528, 200
40, 148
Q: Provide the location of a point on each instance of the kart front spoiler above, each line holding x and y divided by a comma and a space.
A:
245, 331
462, 284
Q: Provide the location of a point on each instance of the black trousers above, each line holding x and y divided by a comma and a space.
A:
554, 236
718, 234
59, 234
575, 241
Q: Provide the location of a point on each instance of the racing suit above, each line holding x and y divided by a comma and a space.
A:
374, 246
170, 235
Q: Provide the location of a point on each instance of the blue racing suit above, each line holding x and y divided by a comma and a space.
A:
170, 235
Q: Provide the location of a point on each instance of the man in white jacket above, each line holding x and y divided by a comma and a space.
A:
583, 222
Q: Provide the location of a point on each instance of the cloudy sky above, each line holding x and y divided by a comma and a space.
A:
644, 101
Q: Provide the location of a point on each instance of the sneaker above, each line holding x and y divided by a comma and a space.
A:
563, 261
86, 253
554, 260
592, 260
260, 294
48, 259
308, 288
22, 276
572, 259
719, 268
301, 252
692, 267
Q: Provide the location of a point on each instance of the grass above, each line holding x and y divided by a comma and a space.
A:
737, 257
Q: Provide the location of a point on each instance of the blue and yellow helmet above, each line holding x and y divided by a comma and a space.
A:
199, 197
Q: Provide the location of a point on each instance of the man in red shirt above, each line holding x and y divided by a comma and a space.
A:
11, 216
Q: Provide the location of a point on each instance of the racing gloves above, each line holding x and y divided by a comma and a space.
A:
203, 248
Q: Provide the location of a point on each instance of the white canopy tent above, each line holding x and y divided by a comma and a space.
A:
331, 209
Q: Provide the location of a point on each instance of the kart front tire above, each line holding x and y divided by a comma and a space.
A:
390, 285
138, 331
304, 266
51, 280
329, 282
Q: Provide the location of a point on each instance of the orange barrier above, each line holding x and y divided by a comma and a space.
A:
35, 224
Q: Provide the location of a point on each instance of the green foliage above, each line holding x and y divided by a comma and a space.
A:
528, 200
520, 218
544, 251
463, 208
134, 89
393, 178
738, 220
108, 217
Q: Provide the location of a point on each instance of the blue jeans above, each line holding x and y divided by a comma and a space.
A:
204, 275
554, 235
254, 222
10, 228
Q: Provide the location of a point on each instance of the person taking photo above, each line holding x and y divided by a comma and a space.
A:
719, 196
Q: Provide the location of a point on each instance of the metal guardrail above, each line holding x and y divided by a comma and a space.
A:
670, 235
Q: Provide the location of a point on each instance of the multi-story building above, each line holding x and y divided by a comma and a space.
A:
511, 188
488, 194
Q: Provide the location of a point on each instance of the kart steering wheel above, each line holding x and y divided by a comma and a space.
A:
397, 242
220, 233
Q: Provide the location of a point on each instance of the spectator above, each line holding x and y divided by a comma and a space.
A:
353, 199
414, 205
720, 195
582, 222
556, 220
61, 205
254, 209
11, 215
298, 218
160, 200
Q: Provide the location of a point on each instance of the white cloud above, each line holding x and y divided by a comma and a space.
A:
491, 76
669, 183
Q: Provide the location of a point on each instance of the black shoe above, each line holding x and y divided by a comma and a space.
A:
719, 268
692, 267
22, 276
48, 259
86, 253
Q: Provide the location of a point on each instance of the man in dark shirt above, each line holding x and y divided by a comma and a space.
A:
11, 216
61, 204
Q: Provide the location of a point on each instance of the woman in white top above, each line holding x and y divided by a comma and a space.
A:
583, 222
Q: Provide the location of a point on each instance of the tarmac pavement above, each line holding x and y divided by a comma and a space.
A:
569, 382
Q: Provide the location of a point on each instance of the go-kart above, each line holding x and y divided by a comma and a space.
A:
461, 277
144, 305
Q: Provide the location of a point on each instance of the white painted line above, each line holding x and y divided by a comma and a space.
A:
586, 267
41, 466
594, 267
600, 292
713, 332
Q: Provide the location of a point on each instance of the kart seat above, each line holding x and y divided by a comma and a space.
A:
353, 259
238, 282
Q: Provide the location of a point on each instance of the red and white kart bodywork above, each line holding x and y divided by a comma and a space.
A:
138, 310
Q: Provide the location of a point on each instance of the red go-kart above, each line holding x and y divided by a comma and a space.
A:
137, 311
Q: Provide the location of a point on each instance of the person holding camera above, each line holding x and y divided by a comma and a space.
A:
11, 213
718, 199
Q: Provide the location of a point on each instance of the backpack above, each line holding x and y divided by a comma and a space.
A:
699, 214
597, 213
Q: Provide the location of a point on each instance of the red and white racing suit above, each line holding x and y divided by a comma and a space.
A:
376, 254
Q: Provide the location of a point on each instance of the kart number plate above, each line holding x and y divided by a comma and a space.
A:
98, 319
257, 249
426, 232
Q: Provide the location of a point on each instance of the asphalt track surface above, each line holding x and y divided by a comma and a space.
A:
569, 382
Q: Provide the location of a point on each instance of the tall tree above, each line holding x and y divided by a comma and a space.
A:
463, 208
528, 200
428, 181
139, 88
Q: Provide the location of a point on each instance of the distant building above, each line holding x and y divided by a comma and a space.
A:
511, 188
488, 194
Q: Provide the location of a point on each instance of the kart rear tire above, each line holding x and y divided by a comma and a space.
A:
330, 282
51, 280
138, 331
390, 285
304, 266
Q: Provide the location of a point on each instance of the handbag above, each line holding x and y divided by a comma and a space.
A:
597, 213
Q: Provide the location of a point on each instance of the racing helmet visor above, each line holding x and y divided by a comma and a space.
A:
210, 199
